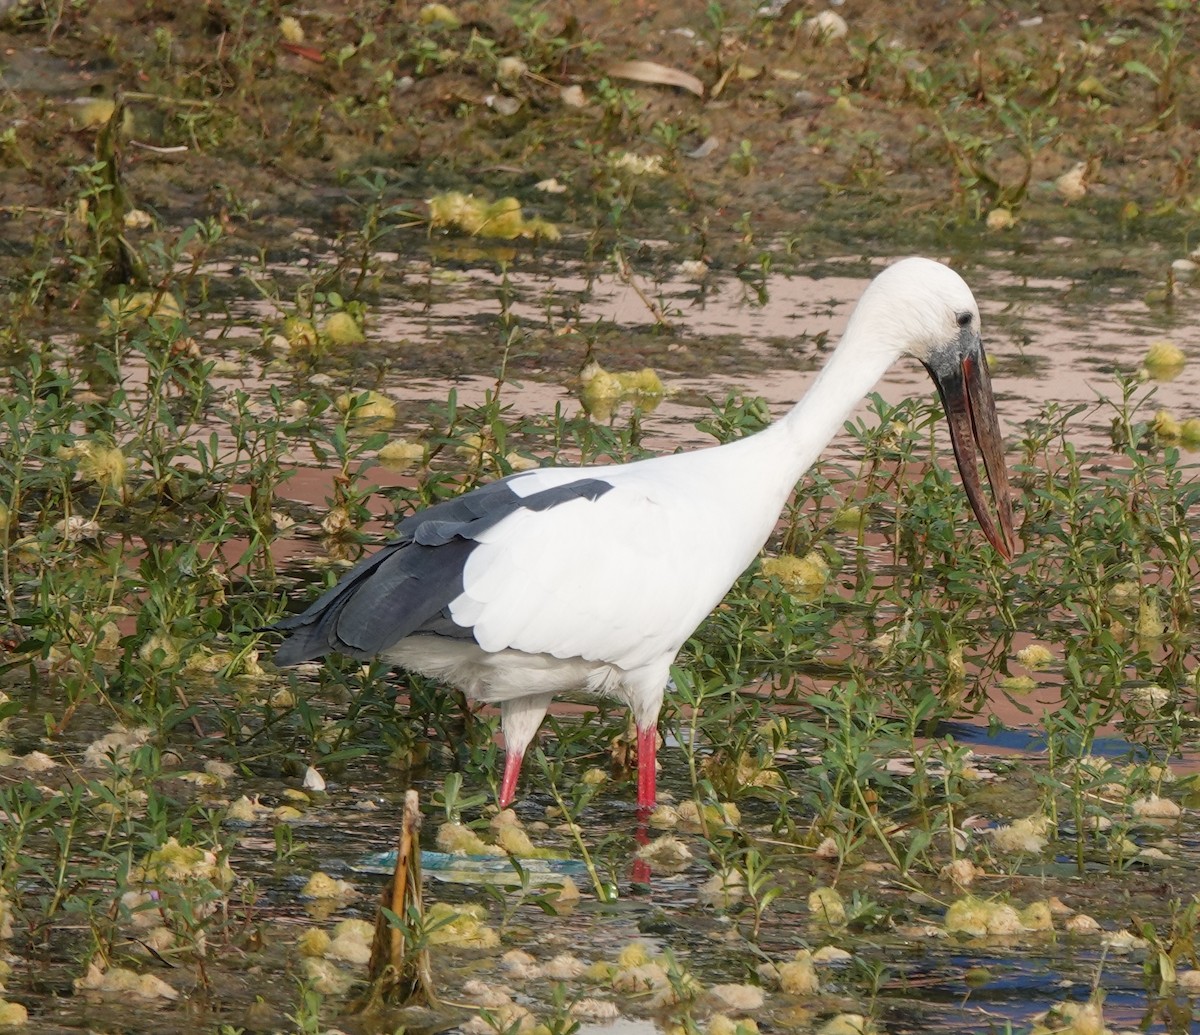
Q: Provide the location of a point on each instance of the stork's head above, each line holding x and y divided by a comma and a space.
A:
922, 308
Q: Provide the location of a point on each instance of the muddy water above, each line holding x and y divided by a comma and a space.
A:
1054, 341
426, 336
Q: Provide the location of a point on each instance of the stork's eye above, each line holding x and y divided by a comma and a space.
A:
964, 319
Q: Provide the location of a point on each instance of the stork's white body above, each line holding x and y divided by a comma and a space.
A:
600, 592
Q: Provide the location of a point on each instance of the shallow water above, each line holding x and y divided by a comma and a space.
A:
1053, 339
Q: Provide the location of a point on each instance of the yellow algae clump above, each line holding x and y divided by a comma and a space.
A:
516, 842
1125, 594
848, 1024
1166, 427
1022, 835
501, 219
1037, 916
141, 305
664, 817
1189, 432
724, 814
399, 454
665, 854
1018, 684
827, 905
291, 29
1150, 625
321, 885
1071, 1019
601, 972
300, 333
457, 839
1035, 656
326, 977
366, 406
641, 382
635, 954
175, 862
735, 998
799, 976
352, 941
721, 1024
159, 650
638, 165
1164, 361
313, 942
12, 1014
97, 463
1151, 696
461, 926
978, 918
120, 981
1001, 219
439, 14
804, 577
601, 390
341, 328
97, 111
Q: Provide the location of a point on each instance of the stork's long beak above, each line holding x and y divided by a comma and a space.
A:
966, 391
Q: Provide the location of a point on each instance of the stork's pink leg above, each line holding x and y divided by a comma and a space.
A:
512, 773
647, 746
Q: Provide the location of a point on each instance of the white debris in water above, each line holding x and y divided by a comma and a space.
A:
1123, 942
520, 965
247, 810
595, 1010
827, 849
723, 889
115, 745
574, 97
827, 25
119, 981
735, 998
1081, 923
1026, 835
352, 942
313, 780
1072, 185
564, 967
1188, 981
798, 976
831, 955
1154, 807
76, 529
960, 872
487, 996
665, 854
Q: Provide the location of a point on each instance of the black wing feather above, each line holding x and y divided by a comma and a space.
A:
407, 586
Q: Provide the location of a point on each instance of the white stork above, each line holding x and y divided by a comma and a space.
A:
592, 578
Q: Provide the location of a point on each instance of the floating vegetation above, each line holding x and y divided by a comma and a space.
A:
501, 219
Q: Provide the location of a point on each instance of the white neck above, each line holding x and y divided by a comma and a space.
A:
849, 374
